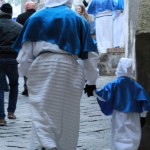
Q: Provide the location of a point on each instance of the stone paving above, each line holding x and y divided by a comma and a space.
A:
94, 127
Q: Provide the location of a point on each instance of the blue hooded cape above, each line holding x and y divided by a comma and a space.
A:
125, 95
61, 26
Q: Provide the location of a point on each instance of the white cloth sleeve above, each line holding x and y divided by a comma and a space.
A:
25, 58
89, 65
99, 98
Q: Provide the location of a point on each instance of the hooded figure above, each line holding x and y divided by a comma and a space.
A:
124, 99
50, 44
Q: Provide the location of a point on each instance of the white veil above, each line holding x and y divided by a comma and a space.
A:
125, 67
53, 3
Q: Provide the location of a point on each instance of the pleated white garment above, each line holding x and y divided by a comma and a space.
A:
104, 31
126, 131
118, 29
55, 84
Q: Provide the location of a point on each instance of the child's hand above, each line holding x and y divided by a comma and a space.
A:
89, 89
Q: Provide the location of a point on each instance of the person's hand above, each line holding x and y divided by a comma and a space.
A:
89, 89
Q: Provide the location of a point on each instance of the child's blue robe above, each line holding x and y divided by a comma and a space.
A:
125, 95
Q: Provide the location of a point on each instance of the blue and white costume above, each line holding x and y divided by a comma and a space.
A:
102, 9
51, 42
125, 99
118, 24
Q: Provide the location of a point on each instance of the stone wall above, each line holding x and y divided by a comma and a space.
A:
143, 25
108, 62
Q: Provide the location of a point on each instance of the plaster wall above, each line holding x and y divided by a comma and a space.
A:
143, 25
131, 16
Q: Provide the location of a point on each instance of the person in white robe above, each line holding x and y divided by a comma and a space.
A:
124, 99
102, 10
50, 45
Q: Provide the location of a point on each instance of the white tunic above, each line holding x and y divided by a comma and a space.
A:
55, 83
118, 29
104, 26
126, 131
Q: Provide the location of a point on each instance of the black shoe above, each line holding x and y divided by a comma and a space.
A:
25, 92
3, 122
11, 115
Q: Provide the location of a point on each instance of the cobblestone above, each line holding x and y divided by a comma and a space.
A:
94, 126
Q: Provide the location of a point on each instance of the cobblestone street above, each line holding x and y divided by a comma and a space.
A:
94, 126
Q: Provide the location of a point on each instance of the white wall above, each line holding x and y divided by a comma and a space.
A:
131, 16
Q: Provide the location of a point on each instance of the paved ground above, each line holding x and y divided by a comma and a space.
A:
94, 127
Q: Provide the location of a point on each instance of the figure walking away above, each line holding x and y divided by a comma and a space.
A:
50, 44
103, 11
22, 18
125, 99
9, 31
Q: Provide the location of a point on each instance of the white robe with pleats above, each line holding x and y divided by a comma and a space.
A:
104, 34
55, 84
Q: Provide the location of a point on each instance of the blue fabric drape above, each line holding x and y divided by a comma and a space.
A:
118, 4
61, 26
125, 95
96, 6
